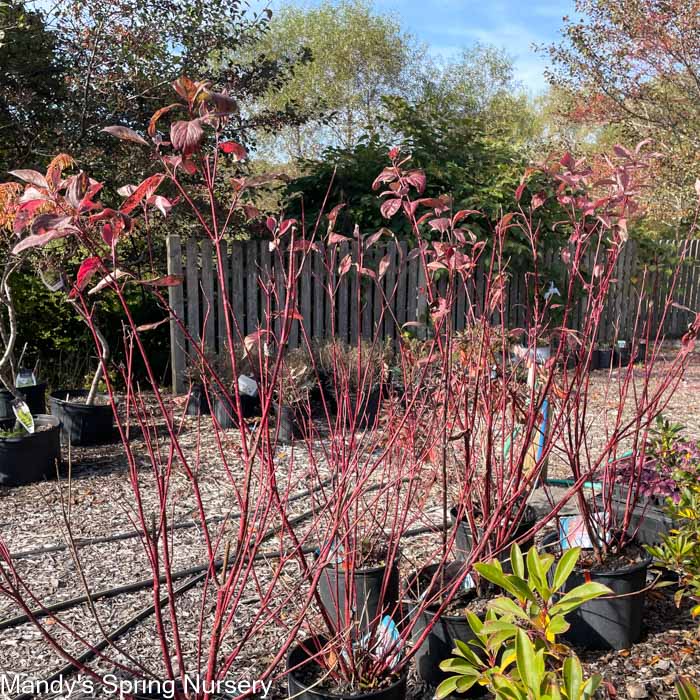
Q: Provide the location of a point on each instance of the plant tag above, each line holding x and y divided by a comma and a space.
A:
573, 533
247, 386
387, 644
23, 415
25, 377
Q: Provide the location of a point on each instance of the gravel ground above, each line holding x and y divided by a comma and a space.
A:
31, 517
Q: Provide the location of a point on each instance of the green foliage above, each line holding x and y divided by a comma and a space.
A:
686, 689
31, 86
515, 653
63, 343
679, 550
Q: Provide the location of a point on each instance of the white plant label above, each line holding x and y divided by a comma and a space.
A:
23, 415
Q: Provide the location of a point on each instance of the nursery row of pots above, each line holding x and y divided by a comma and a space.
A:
28, 457
606, 623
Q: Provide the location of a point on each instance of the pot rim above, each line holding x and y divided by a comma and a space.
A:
55, 397
553, 538
40, 419
402, 676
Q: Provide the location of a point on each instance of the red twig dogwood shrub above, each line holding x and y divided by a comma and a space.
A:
434, 419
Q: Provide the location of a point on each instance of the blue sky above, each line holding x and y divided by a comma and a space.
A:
447, 26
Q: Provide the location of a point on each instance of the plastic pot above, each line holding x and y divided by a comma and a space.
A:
366, 601
33, 396
605, 358
301, 656
224, 409
463, 538
80, 423
595, 359
368, 411
30, 458
610, 623
439, 643
288, 423
197, 402
621, 357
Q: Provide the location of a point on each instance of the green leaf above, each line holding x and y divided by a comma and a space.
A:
565, 566
589, 690
516, 561
573, 677
462, 649
536, 573
459, 665
685, 689
525, 659
522, 590
447, 687
466, 682
579, 595
558, 625
507, 606
475, 623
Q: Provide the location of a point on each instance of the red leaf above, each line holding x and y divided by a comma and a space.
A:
152, 326
345, 265
250, 211
463, 214
333, 216
33, 241
519, 191
335, 238
442, 225
186, 136
383, 266
235, 149
87, 271
144, 191
538, 200
158, 114
271, 224
387, 175
417, 179
32, 177
390, 207
126, 134
162, 204
286, 225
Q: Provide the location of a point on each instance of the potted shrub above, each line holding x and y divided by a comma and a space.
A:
240, 386
605, 356
26, 457
358, 379
293, 402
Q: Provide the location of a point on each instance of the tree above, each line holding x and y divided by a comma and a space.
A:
32, 93
358, 58
635, 65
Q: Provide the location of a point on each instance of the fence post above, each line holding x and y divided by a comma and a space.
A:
176, 301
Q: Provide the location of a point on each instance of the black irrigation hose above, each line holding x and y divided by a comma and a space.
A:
175, 575
148, 611
181, 525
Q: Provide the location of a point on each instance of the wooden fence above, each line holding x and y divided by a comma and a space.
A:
246, 264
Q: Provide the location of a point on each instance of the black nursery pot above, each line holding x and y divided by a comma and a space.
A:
621, 358
611, 623
80, 423
301, 656
595, 359
30, 458
463, 539
33, 396
368, 411
197, 402
605, 358
367, 600
224, 409
439, 643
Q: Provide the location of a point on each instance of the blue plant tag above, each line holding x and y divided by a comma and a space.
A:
387, 645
